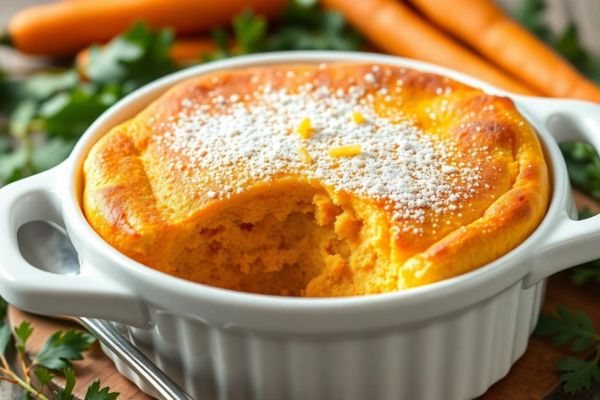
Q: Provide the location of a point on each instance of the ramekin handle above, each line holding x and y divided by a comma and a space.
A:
90, 293
570, 242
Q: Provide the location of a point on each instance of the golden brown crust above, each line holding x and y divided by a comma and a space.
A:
510, 219
138, 201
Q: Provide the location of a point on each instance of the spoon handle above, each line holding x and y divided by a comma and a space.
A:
110, 337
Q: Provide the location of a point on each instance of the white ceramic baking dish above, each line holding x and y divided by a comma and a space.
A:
447, 340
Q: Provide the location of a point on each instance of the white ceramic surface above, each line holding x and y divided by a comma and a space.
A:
448, 340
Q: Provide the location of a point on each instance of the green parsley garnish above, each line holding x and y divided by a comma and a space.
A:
574, 328
54, 358
303, 26
50, 110
583, 165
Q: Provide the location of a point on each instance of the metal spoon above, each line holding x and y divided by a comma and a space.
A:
47, 247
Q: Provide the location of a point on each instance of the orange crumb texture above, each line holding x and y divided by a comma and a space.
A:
318, 180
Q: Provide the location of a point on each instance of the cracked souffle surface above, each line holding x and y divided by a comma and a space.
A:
318, 180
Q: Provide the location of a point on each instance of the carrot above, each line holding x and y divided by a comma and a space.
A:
486, 28
183, 51
66, 27
395, 28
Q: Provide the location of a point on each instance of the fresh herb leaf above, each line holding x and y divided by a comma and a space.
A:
5, 146
592, 69
568, 45
584, 213
43, 375
308, 27
132, 59
10, 92
576, 328
588, 272
69, 114
95, 392
578, 374
221, 38
250, 31
3, 89
67, 392
583, 165
568, 327
303, 26
63, 347
44, 85
14, 166
51, 153
62, 104
22, 333
249, 35
21, 118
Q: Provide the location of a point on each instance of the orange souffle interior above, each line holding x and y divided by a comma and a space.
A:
318, 180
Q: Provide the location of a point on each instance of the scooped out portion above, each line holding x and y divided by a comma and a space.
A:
289, 240
318, 180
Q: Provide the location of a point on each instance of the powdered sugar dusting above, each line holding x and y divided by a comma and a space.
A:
256, 140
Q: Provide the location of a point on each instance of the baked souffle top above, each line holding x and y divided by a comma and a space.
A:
318, 180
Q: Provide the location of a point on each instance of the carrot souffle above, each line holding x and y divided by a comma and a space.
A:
318, 180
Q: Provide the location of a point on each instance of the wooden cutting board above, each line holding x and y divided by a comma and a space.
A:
532, 377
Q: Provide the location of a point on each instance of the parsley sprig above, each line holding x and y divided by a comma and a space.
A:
51, 109
54, 358
588, 272
576, 329
583, 165
303, 26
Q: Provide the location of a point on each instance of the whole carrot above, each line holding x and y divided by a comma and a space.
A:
66, 27
490, 31
395, 28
